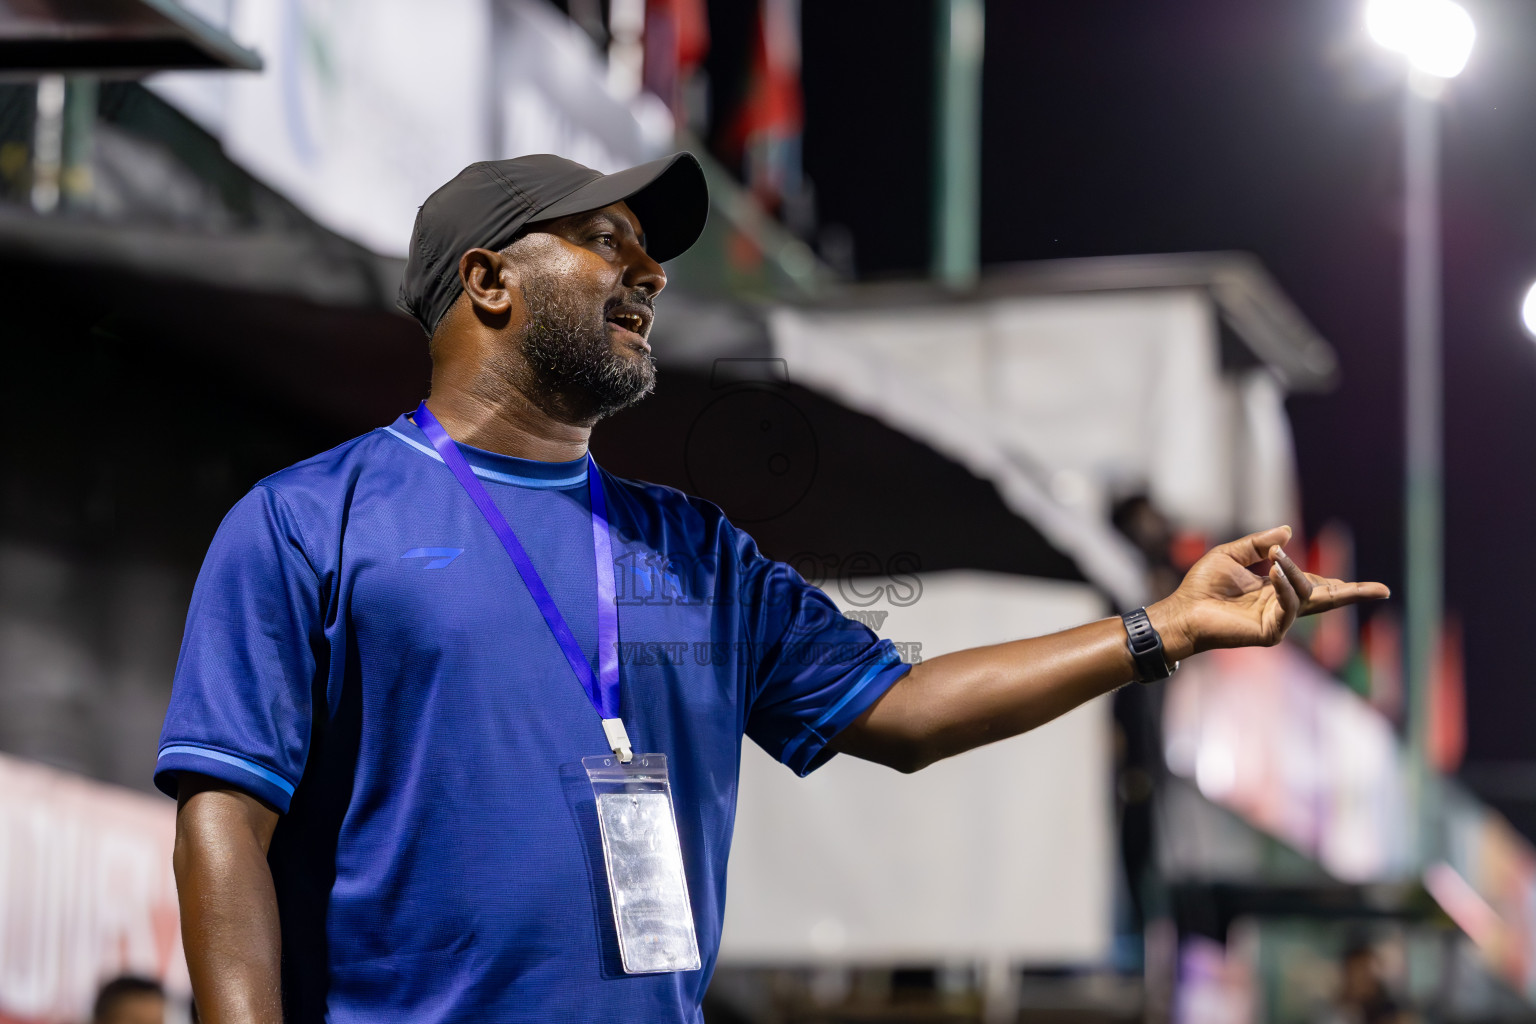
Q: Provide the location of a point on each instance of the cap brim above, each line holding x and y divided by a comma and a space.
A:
669, 196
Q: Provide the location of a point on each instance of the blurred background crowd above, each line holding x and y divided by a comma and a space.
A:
1004, 314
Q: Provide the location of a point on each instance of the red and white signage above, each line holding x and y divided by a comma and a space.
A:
86, 892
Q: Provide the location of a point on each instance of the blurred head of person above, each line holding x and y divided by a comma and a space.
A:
1360, 974
130, 1000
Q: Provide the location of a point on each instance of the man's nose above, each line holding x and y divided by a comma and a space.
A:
644, 272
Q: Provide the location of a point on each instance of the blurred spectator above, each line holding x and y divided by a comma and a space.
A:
1146, 527
130, 1000
1363, 996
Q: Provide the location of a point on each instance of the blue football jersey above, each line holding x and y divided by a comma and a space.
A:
361, 654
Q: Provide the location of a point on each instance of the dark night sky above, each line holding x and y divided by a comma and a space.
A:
1118, 127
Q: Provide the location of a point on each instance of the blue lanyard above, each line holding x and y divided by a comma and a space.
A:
602, 691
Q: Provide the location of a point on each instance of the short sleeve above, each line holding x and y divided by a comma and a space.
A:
241, 700
815, 669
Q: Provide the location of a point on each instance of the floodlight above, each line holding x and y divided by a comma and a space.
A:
1528, 311
1435, 35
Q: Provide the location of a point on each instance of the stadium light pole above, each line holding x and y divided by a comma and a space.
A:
1435, 37
959, 35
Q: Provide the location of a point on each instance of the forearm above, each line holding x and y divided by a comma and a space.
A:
955, 702
963, 700
229, 915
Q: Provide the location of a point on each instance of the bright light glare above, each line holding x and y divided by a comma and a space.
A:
1528, 311
1435, 35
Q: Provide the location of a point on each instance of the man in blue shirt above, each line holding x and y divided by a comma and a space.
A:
378, 718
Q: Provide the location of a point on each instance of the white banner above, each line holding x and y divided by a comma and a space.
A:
86, 892
364, 107
1007, 852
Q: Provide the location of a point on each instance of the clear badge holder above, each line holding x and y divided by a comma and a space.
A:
644, 862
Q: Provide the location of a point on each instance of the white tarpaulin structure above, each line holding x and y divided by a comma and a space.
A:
1004, 851
1068, 386
1096, 380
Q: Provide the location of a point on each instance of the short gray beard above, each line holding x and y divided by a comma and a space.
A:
573, 369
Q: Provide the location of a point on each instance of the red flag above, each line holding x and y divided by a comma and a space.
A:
676, 42
1447, 726
1333, 555
1382, 639
765, 133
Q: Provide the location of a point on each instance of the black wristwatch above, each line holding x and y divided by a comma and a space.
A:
1146, 648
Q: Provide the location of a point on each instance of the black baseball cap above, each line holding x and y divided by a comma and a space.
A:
488, 203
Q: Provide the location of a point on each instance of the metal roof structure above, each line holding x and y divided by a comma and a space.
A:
1251, 305
112, 37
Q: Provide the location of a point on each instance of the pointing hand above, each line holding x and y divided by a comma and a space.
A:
1224, 603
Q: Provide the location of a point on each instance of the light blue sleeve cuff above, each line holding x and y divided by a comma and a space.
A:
808, 751
240, 772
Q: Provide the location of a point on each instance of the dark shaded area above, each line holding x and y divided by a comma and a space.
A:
1115, 128
728, 64
113, 36
150, 409
125, 55
309, 834
841, 493
868, 80
137, 432
1209, 909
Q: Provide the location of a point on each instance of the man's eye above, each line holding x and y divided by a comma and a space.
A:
606, 239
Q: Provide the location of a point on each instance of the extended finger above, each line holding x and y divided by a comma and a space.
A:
1290, 603
1300, 580
1328, 594
1254, 547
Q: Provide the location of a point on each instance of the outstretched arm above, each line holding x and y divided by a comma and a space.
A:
952, 703
229, 922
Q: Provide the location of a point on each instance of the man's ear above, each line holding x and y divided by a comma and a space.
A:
489, 280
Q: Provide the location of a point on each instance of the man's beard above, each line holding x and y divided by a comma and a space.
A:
575, 371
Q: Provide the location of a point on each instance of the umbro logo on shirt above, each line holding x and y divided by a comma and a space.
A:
440, 557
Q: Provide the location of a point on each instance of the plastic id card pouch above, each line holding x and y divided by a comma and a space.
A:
645, 863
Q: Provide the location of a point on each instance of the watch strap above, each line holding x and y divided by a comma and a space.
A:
1146, 647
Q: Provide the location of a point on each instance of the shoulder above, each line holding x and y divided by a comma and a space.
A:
664, 499
327, 484
673, 518
304, 501
327, 470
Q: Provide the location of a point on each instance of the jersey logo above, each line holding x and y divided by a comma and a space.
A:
441, 557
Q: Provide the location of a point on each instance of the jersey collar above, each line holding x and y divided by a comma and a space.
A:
494, 467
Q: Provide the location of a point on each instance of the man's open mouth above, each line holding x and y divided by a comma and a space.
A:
632, 318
